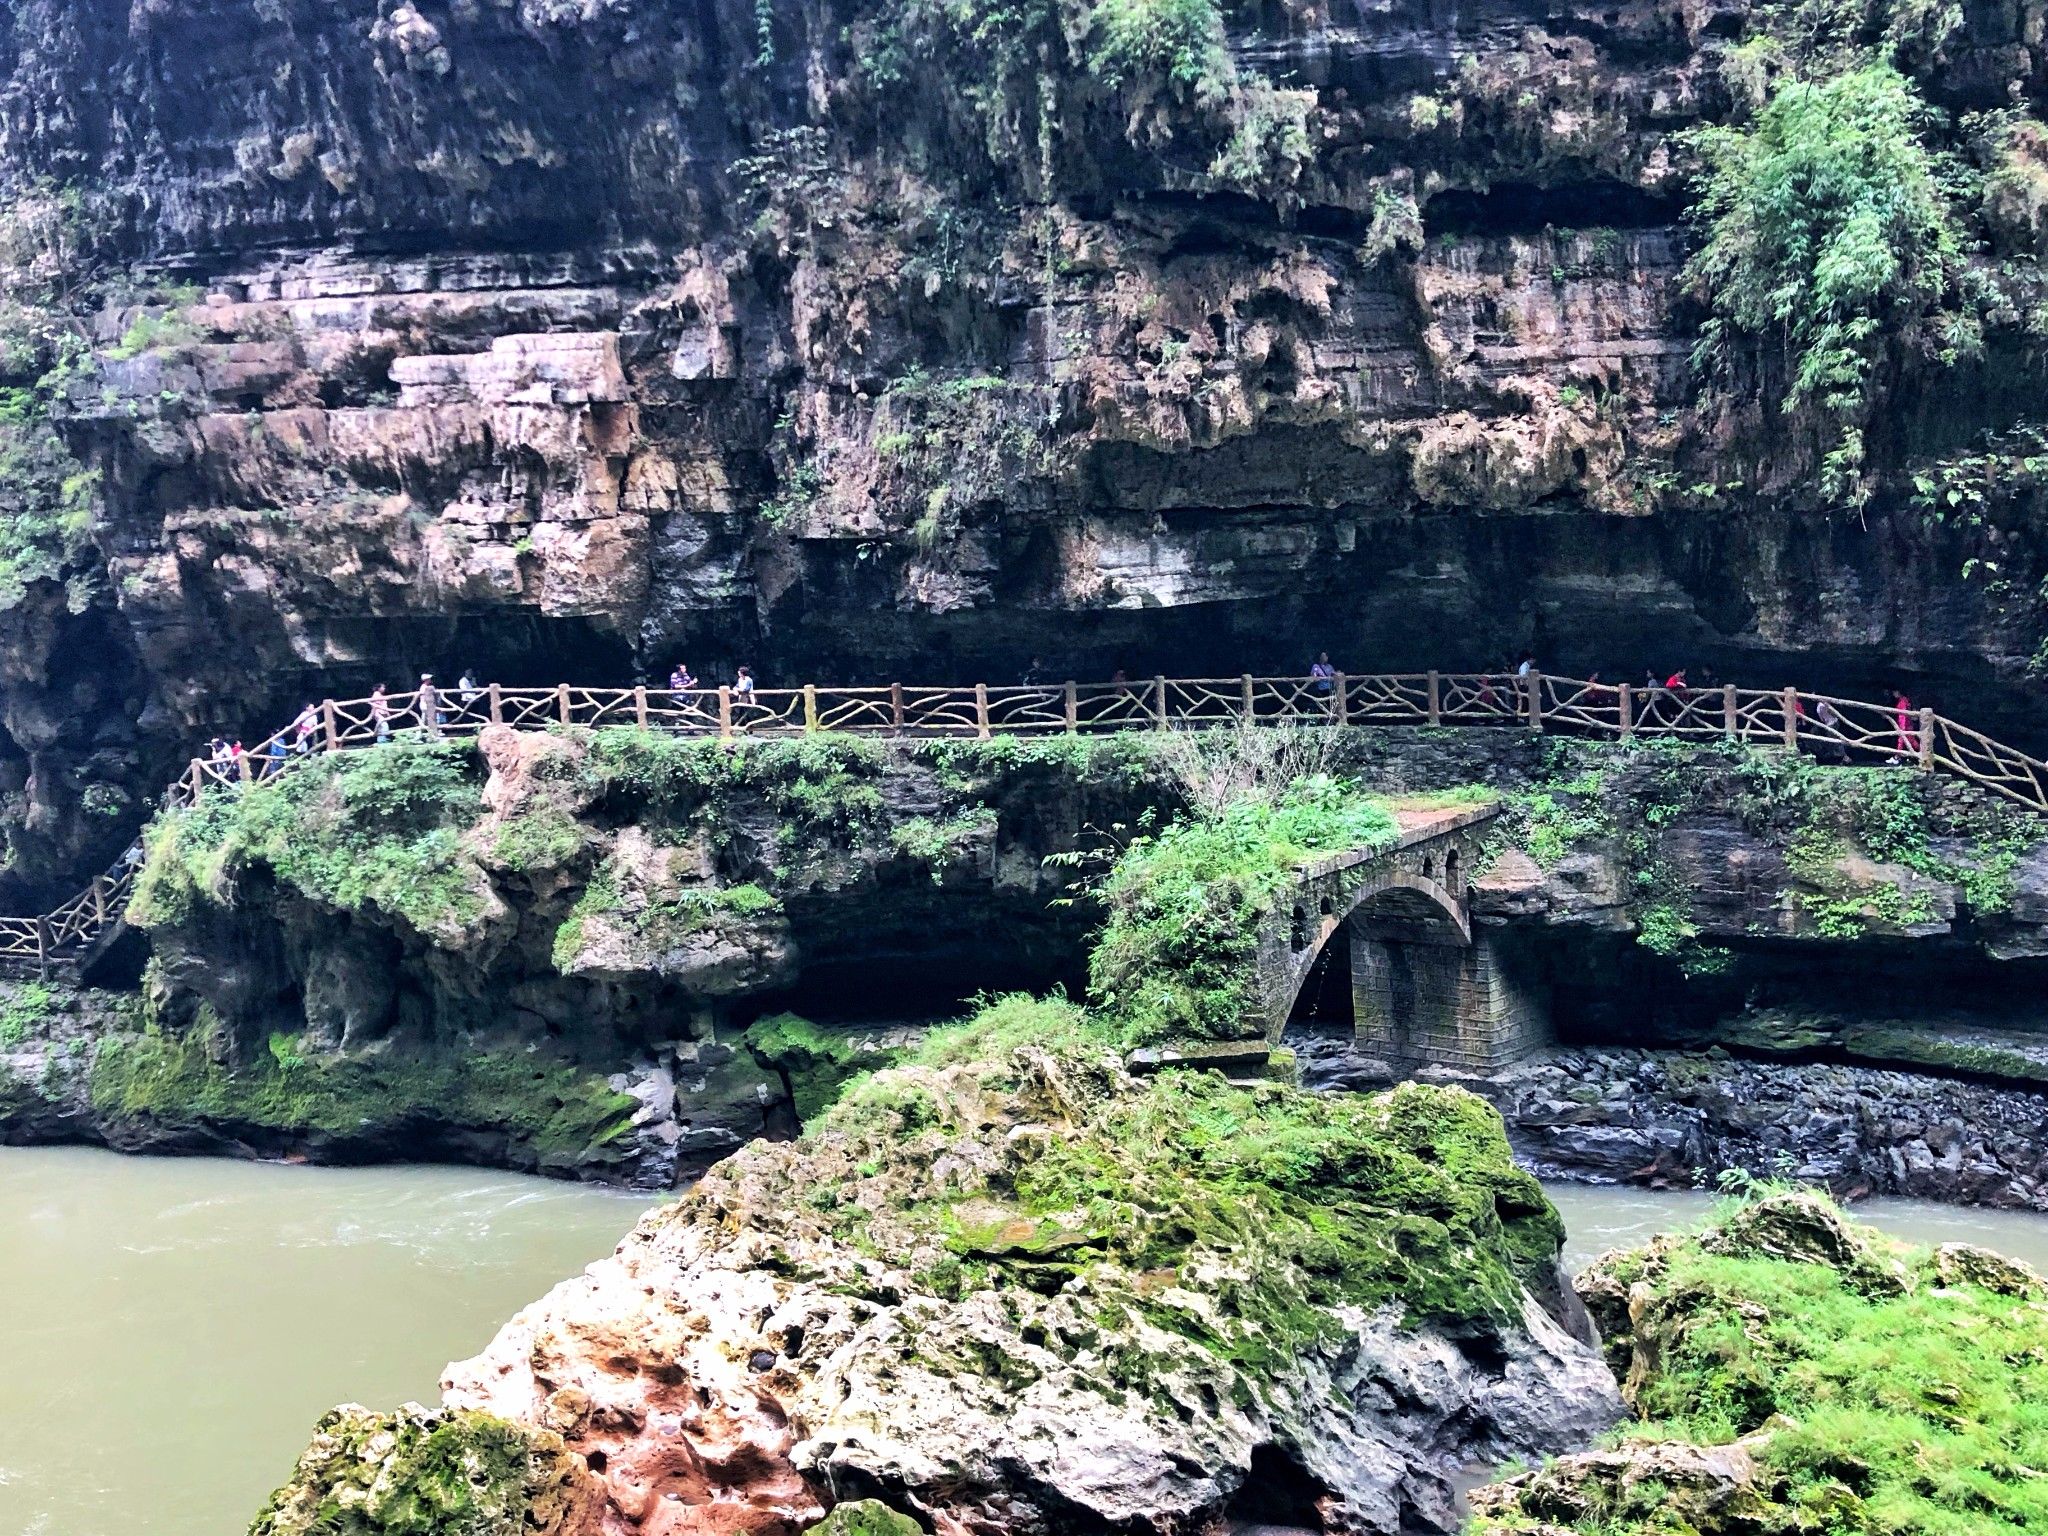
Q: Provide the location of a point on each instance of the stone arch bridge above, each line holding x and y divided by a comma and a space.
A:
1426, 987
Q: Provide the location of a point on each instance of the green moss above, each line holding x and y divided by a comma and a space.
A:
817, 1063
48, 500
422, 1472
1891, 1394
661, 918
538, 1101
936, 844
599, 897
1557, 818
540, 837
1920, 1048
351, 830
1408, 1198
983, 772
26, 1005
865, 1517
1176, 957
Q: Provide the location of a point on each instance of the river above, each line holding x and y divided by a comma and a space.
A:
170, 1329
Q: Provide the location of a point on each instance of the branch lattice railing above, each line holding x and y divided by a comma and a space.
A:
1843, 730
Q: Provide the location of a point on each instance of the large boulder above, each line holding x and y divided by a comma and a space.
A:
1005, 1285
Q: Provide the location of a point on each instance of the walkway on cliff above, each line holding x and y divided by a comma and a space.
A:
1845, 730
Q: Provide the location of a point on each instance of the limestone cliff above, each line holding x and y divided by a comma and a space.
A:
859, 342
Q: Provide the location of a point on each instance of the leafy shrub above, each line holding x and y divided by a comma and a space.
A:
1175, 957
378, 828
1829, 239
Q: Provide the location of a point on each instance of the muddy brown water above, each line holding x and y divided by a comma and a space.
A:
170, 1329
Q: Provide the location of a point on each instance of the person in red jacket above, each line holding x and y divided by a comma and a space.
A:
1906, 740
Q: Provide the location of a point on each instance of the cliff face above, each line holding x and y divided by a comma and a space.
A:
559, 340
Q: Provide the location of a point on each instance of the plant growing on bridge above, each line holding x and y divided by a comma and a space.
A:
1175, 957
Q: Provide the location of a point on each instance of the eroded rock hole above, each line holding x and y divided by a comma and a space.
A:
1277, 1490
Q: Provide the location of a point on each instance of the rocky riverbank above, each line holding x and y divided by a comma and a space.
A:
1682, 1117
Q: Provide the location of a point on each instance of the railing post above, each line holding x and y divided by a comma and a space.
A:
1927, 741
1791, 709
1626, 704
1436, 700
1343, 686
896, 705
1729, 710
1534, 683
43, 947
1159, 702
810, 707
333, 728
99, 903
1244, 685
562, 703
725, 712
198, 779
640, 705
247, 769
497, 705
1073, 707
981, 710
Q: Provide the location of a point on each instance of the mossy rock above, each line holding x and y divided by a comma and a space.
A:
1817, 1376
865, 1517
558, 1110
817, 1062
430, 1472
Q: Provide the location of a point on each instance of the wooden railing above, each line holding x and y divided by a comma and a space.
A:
1846, 730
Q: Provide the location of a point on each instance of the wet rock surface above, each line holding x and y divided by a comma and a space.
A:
1680, 1118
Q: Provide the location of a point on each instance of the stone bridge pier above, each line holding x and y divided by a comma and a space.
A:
1427, 989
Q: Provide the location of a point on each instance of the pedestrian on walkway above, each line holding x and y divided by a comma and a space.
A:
380, 713
1832, 750
428, 702
302, 730
466, 690
1906, 741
